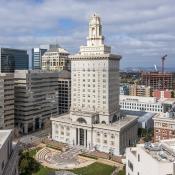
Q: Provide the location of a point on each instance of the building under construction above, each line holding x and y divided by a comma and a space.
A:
158, 80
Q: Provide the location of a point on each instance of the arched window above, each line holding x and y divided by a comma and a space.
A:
103, 122
81, 120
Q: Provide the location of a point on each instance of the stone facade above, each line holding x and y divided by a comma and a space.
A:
94, 121
55, 59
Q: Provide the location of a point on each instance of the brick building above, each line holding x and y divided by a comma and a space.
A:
164, 126
163, 94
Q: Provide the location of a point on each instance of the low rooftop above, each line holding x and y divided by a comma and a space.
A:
165, 116
162, 151
4, 134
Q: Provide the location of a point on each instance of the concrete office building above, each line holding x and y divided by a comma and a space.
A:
140, 90
9, 154
6, 101
64, 91
151, 158
164, 126
13, 59
94, 121
36, 99
56, 59
145, 104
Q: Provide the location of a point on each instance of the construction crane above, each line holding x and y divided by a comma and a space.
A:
163, 61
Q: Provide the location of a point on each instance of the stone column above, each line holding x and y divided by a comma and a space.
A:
84, 137
25, 125
78, 136
34, 125
40, 123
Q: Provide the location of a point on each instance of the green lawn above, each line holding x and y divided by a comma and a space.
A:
95, 169
43, 171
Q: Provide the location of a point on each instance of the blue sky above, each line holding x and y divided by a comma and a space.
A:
140, 30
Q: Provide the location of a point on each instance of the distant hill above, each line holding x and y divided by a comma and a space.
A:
147, 69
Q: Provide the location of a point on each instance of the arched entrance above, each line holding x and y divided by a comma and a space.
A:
81, 137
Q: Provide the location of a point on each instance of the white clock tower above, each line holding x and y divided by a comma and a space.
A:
94, 121
95, 39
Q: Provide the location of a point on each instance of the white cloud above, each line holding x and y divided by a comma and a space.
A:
136, 29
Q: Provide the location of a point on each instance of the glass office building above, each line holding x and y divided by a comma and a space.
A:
13, 59
36, 57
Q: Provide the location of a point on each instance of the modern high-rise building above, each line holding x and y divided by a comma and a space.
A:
151, 158
157, 80
64, 91
94, 121
6, 101
9, 154
13, 59
140, 90
36, 99
37, 54
56, 59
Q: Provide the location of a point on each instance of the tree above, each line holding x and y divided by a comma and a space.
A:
27, 164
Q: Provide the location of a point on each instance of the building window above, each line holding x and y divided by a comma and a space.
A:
112, 136
98, 134
138, 157
105, 141
112, 143
130, 165
68, 128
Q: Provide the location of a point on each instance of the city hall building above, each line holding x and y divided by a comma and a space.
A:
94, 121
